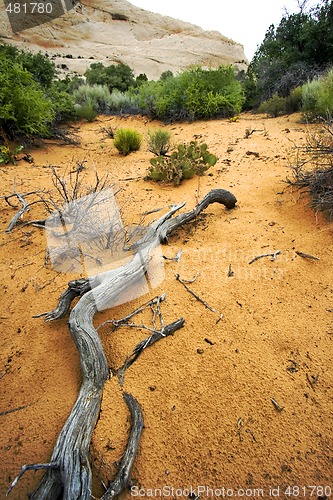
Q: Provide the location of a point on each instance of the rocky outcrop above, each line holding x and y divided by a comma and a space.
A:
115, 31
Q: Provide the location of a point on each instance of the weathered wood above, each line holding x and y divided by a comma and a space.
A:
73, 477
123, 477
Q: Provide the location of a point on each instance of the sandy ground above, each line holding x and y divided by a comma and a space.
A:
206, 392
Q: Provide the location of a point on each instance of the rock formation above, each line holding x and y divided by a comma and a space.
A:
115, 31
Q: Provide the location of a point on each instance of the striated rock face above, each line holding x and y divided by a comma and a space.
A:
114, 31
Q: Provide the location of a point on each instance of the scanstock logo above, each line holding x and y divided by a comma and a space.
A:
24, 14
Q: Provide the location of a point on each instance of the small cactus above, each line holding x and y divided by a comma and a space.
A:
186, 161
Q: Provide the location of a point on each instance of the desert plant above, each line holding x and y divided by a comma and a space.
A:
186, 161
97, 96
294, 100
159, 141
8, 155
24, 109
317, 97
119, 76
275, 106
86, 111
122, 102
313, 168
194, 94
127, 140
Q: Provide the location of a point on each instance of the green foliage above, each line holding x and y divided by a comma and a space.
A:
292, 53
86, 111
275, 106
63, 104
141, 79
41, 68
194, 94
122, 103
166, 74
294, 100
159, 141
185, 162
24, 109
8, 155
127, 140
119, 77
95, 96
317, 97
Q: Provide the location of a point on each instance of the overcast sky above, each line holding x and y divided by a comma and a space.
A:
245, 21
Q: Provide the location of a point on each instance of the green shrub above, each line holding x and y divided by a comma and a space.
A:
63, 104
41, 68
86, 111
127, 140
294, 100
275, 106
122, 103
194, 94
8, 155
119, 76
318, 97
159, 141
95, 96
24, 109
185, 162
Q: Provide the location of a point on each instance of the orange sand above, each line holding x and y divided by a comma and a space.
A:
209, 418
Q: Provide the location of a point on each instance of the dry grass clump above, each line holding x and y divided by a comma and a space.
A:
314, 168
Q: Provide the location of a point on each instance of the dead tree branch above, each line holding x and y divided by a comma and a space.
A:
123, 479
73, 476
273, 256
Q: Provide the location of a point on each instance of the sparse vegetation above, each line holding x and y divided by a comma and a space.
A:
127, 140
184, 162
159, 141
275, 106
314, 169
317, 97
9, 155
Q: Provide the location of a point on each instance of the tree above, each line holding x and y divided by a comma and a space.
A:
119, 77
299, 48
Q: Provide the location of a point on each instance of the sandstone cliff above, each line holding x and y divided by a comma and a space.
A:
114, 31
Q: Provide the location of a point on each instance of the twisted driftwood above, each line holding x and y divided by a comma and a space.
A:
69, 473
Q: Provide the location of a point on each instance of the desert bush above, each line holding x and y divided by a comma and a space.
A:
9, 155
275, 106
313, 169
24, 109
86, 111
119, 76
294, 100
293, 52
159, 141
63, 104
96, 97
122, 103
186, 161
38, 65
127, 140
194, 94
317, 97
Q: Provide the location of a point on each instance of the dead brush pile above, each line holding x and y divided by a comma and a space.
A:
313, 169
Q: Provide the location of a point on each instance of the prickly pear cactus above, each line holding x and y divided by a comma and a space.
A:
184, 162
